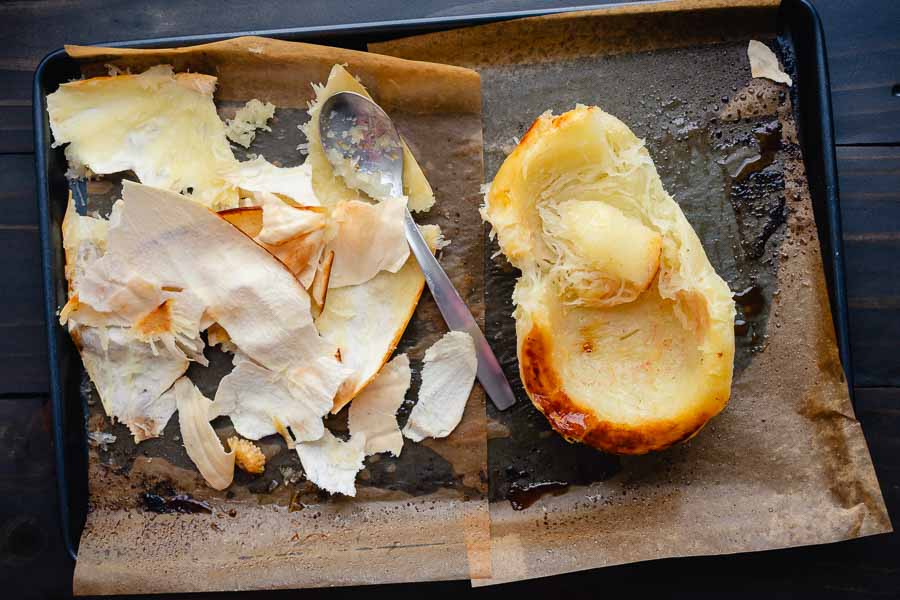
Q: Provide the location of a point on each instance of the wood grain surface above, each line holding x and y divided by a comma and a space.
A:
863, 38
869, 179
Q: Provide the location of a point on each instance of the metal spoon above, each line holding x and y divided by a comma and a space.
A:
363, 146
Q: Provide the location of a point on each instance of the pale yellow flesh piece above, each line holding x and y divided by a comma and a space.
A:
259, 175
612, 257
160, 125
577, 205
764, 63
447, 380
332, 464
200, 440
373, 412
248, 118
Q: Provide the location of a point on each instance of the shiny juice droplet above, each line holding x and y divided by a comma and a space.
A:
522, 496
182, 503
750, 300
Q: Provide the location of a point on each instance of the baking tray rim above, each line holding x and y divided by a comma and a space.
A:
833, 261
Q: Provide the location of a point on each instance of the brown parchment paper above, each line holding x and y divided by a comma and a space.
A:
422, 516
786, 463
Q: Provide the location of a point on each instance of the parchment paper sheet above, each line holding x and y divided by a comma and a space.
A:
786, 463
422, 516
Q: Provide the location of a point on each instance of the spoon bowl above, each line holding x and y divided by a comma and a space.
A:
364, 148
362, 145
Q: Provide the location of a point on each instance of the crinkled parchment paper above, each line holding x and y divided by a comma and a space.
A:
786, 463
422, 516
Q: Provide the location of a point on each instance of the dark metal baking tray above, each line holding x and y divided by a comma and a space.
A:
802, 45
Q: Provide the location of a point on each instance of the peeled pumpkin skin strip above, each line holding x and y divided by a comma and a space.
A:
200, 440
84, 241
764, 63
255, 398
369, 239
447, 380
283, 222
264, 309
296, 235
112, 288
319, 288
366, 328
331, 463
129, 373
130, 380
299, 254
373, 412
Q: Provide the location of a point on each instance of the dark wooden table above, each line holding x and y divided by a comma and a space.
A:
864, 53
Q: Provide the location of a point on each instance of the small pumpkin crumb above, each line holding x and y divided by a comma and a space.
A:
247, 455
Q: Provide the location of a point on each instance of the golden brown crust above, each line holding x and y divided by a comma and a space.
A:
70, 306
532, 134
579, 424
297, 253
248, 219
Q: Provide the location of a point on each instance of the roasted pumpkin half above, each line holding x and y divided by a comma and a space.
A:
624, 330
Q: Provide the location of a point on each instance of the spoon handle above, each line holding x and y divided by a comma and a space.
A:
459, 318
